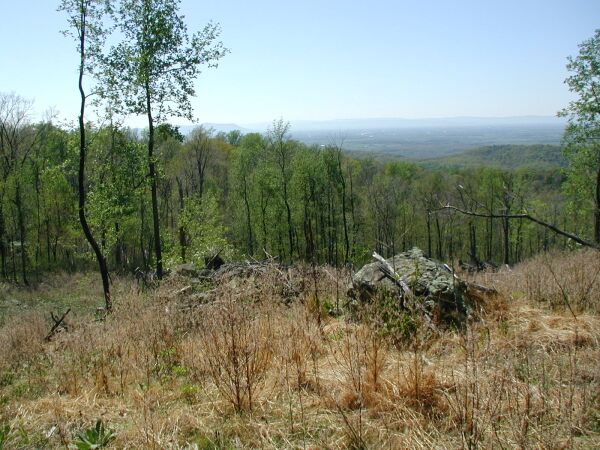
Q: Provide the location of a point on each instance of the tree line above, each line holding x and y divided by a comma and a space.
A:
144, 201
253, 196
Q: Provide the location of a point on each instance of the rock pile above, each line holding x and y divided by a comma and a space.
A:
419, 284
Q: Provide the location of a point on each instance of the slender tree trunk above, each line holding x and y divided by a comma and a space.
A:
519, 244
597, 209
506, 236
55, 250
102, 236
489, 252
201, 162
321, 225
182, 237
329, 225
311, 235
152, 174
142, 229
404, 229
289, 218
2, 241
250, 237
439, 237
47, 223
429, 234
305, 223
13, 255
334, 230
21, 225
280, 238
118, 247
38, 247
263, 214
59, 223
344, 218
81, 174
353, 215
490, 233
473, 243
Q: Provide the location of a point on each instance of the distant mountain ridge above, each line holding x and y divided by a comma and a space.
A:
217, 127
391, 122
384, 123
413, 138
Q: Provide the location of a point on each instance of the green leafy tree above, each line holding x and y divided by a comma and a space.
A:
582, 136
16, 142
245, 159
203, 224
116, 185
281, 150
309, 184
152, 70
265, 194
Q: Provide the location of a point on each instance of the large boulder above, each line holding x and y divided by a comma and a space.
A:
420, 284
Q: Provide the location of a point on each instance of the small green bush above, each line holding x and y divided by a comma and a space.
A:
93, 438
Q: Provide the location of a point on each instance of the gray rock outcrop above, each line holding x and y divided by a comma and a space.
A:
419, 283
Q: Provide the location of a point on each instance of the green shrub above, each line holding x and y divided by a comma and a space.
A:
93, 438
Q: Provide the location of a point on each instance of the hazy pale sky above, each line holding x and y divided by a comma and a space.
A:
333, 59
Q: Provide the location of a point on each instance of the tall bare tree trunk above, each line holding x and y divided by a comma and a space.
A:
81, 174
152, 174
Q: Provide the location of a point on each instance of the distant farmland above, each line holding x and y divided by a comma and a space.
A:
424, 142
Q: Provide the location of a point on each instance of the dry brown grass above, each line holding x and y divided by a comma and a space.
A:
259, 369
557, 280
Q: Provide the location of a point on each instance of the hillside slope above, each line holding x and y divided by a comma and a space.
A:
541, 156
266, 367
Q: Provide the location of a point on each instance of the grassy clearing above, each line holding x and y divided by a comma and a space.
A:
267, 366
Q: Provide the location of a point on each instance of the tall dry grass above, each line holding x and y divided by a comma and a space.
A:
268, 363
561, 281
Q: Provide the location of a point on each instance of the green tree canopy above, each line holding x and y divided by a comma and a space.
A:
582, 136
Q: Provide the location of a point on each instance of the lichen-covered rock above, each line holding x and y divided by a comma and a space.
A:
433, 288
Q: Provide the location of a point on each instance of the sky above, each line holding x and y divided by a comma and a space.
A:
331, 59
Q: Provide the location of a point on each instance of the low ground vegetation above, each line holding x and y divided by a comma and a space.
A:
274, 360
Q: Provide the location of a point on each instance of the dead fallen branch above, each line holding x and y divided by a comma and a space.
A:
58, 322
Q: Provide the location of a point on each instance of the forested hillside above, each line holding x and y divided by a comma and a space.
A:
293, 290
507, 157
249, 196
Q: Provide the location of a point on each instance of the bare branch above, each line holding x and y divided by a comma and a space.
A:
525, 216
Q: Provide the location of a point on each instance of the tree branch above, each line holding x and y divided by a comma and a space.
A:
557, 230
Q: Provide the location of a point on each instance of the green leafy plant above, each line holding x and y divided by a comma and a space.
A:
94, 438
204, 229
4, 432
190, 392
391, 321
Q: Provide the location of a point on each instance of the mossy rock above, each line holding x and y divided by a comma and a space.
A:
432, 284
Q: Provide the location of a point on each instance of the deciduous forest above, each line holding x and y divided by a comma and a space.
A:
254, 196
203, 290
